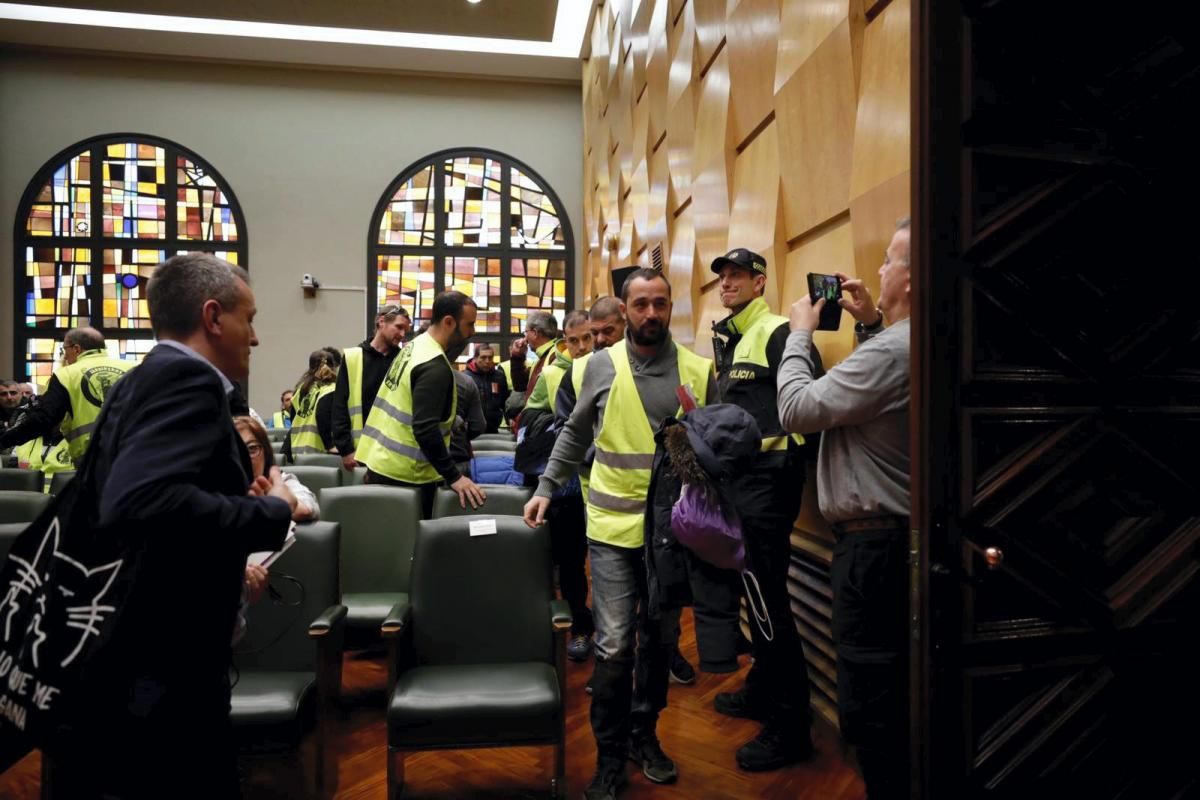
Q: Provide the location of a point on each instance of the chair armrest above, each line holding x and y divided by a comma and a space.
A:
397, 620
330, 620
560, 615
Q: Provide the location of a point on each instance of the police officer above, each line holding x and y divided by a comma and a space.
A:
406, 439
74, 395
749, 347
362, 372
627, 391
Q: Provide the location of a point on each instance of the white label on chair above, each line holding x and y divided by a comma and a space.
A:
483, 527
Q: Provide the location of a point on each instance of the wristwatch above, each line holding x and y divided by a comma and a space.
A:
874, 326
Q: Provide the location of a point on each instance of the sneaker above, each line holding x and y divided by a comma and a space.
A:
681, 670
656, 765
579, 648
608, 781
739, 704
774, 748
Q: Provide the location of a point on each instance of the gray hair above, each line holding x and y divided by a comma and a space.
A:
85, 338
181, 285
544, 323
904, 223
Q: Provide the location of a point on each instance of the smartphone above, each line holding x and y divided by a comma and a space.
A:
830, 288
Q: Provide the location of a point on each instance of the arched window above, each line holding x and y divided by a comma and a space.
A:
480, 222
94, 223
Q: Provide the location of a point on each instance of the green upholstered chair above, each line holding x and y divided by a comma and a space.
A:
316, 478
60, 480
23, 506
318, 460
289, 662
9, 531
21, 480
379, 524
277, 434
353, 477
501, 501
503, 436
476, 655
506, 445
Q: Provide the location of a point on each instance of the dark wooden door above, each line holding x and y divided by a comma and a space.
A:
1056, 400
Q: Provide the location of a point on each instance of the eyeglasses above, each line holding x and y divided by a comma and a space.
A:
254, 449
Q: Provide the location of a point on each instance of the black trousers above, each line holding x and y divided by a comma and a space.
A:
568, 544
428, 490
770, 495
870, 609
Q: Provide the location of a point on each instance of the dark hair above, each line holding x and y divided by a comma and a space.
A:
320, 370
390, 312
485, 347
7, 382
85, 338
645, 274
260, 436
181, 285
335, 356
450, 304
575, 318
604, 308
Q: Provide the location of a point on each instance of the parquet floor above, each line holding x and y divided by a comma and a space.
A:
700, 740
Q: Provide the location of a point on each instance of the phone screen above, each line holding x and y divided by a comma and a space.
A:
828, 288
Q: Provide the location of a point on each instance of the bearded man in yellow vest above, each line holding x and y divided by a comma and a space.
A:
74, 394
406, 438
359, 379
627, 391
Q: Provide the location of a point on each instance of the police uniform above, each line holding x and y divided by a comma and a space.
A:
777, 687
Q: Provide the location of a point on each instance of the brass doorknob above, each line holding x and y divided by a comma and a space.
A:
994, 557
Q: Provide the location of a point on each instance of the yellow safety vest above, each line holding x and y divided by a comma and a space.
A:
620, 476
388, 446
354, 371
578, 366
87, 382
305, 435
35, 455
279, 420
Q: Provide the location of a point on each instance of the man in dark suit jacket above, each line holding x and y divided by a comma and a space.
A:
154, 718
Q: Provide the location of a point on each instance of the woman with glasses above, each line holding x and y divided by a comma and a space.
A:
262, 458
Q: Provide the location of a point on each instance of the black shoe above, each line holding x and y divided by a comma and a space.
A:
608, 781
681, 670
739, 704
656, 765
774, 748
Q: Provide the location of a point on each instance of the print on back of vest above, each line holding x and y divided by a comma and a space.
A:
97, 381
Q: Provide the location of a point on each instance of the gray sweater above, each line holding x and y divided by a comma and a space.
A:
861, 405
656, 379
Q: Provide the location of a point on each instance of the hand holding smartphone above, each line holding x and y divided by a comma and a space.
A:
828, 287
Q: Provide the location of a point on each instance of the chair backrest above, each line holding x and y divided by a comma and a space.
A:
9, 531
316, 478
493, 445
484, 451
20, 480
277, 434
60, 481
277, 633
501, 501
353, 477
379, 525
481, 599
18, 506
317, 460
494, 437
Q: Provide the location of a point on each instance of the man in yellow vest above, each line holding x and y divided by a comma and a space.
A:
749, 346
406, 438
360, 376
566, 516
627, 391
283, 417
74, 394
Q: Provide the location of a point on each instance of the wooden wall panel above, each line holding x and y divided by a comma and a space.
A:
712, 162
881, 139
815, 113
695, 163
750, 38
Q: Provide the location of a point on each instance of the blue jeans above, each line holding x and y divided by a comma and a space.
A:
633, 650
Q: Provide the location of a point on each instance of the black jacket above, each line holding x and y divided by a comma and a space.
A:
375, 367
493, 394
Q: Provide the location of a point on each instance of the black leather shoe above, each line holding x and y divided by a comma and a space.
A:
740, 704
608, 781
774, 748
681, 670
655, 764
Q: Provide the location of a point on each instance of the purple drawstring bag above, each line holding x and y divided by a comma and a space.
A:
702, 526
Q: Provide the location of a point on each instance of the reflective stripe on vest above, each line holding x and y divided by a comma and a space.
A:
279, 420
578, 367
354, 373
388, 445
87, 382
306, 436
620, 476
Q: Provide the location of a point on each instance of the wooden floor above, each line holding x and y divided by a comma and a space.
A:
700, 740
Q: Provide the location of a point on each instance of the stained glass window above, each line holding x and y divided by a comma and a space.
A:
88, 263
441, 225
